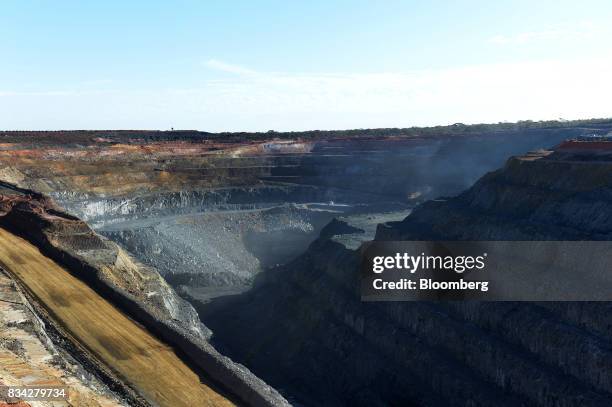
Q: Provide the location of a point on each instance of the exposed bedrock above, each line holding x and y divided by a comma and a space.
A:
338, 349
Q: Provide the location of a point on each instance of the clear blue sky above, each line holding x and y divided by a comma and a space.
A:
258, 65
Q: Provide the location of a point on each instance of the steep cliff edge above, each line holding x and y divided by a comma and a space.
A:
440, 353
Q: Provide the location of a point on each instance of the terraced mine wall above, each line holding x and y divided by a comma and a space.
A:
155, 194
195, 210
438, 353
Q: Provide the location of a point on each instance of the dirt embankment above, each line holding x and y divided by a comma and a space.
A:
131, 353
29, 357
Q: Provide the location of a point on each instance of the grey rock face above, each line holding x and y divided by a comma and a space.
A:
440, 353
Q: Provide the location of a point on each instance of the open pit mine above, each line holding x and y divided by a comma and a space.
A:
182, 268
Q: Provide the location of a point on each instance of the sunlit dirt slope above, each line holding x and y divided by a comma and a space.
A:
131, 352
